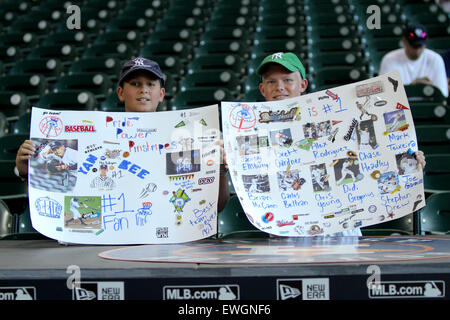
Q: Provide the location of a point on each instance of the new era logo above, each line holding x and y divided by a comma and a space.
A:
303, 289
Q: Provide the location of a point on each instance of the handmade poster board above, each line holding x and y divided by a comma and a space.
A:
325, 162
125, 178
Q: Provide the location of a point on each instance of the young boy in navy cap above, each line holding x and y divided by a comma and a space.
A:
141, 88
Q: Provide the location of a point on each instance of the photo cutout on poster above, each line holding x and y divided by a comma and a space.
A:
319, 177
256, 183
323, 129
247, 145
102, 180
395, 121
346, 170
406, 163
82, 212
183, 162
290, 180
365, 135
388, 182
54, 165
317, 130
281, 138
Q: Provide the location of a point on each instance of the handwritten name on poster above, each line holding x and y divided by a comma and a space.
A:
125, 178
325, 162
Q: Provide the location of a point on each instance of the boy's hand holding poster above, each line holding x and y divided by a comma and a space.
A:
125, 178
325, 162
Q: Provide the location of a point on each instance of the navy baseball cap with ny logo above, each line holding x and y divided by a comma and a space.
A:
141, 64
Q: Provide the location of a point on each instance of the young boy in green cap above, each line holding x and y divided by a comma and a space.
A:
283, 76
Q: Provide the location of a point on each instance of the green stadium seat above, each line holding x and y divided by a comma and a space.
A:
36, 25
428, 105
170, 64
184, 35
434, 218
131, 37
439, 44
171, 86
132, 20
328, 19
233, 222
112, 103
438, 30
436, 172
337, 59
252, 82
231, 21
9, 144
401, 226
33, 86
18, 39
281, 19
13, 104
4, 124
321, 79
430, 18
109, 66
25, 230
22, 125
11, 186
388, 31
218, 62
97, 83
266, 47
411, 9
51, 68
235, 47
77, 39
333, 45
180, 23
199, 97
225, 33
253, 95
212, 79
7, 220
235, 10
433, 138
64, 52
9, 54
68, 100
121, 51
279, 32
325, 32
165, 49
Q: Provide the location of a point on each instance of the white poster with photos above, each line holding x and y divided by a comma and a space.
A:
125, 178
325, 162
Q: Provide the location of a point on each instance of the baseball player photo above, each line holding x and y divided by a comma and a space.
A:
395, 121
406, 163
82, 212
54, 165
366, 136
103, 182
346, 171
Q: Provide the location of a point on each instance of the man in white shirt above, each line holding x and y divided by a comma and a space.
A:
415, 62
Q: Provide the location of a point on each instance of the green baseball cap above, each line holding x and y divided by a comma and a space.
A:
287, 59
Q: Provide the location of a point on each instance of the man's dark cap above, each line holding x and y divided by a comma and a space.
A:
141, 64
416, 34
55, 144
